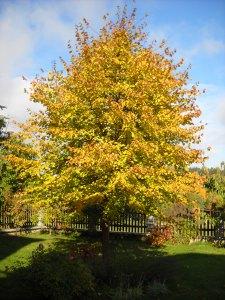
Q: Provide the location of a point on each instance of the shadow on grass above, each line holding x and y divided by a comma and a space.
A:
199, 276
187, 275
11, 243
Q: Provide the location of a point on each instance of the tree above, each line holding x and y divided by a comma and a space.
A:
8, 180
2, 124
117, 129
215, 186
214, 183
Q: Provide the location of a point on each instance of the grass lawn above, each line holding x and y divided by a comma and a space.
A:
14, 248
195, 271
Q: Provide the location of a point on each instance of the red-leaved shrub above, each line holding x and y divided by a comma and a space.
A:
159, 236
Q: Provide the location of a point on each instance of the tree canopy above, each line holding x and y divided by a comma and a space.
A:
117, 128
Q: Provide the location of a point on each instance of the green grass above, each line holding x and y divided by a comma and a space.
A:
195, 271
19, 248
201, 271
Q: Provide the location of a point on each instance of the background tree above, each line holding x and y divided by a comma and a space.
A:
214, 184
2, 124
117, 129
8, 178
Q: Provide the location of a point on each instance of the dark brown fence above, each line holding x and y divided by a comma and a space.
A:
211, 224
126, 223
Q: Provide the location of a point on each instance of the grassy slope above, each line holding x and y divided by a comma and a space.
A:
194, 271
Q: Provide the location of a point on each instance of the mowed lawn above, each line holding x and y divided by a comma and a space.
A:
19, 248
195, 271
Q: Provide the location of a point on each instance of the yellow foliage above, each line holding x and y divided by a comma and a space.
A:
117, 124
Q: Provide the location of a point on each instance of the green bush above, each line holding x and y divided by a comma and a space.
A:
53, 275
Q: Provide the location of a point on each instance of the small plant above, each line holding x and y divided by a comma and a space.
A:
126, 290
85, 251
219, 243
156, 289
128, 294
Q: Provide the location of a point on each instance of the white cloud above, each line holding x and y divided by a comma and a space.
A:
15, 100
209, 46
213, 46
221, 109
160, 33
212, 105
26, 26
16, 42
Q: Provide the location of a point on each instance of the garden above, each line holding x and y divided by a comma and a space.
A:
59, 266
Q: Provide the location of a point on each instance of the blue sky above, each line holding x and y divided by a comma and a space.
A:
33, 34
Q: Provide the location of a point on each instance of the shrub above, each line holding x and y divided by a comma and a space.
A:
52, 275
159, 236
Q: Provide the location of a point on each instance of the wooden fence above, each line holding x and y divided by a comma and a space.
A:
211, 225
126, 223
8, 220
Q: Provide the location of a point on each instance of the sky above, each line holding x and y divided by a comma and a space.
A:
33, 34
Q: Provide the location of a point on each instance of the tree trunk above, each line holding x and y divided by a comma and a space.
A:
105, 241
91, 224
